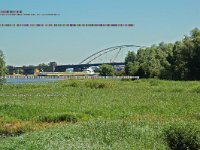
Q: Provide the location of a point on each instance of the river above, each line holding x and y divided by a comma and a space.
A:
27, 80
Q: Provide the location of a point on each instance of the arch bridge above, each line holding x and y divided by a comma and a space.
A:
87, 62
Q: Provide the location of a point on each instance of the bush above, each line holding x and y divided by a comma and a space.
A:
182, 138
106, 70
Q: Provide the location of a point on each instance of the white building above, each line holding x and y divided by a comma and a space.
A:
89, 71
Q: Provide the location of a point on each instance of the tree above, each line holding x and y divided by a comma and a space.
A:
131, 68
149, 62
42, 65
130, 57
106, 70
186, 57
53, 65
154, 61
179, 61
130, 63
2, 68
196, 59
178, 64
19, 71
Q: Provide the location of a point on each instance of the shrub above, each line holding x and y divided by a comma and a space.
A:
106, 70
182, 138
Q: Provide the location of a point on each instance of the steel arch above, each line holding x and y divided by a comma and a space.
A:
107, 50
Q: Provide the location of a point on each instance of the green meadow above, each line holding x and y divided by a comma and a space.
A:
99, 114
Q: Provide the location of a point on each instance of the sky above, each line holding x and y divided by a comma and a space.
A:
155, 21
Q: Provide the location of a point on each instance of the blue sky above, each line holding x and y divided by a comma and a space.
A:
155, 21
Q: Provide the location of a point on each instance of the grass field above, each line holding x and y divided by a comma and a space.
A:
96, 114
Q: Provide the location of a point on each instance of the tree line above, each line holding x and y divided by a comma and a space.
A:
172, 61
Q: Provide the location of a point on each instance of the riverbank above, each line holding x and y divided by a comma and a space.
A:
32, 78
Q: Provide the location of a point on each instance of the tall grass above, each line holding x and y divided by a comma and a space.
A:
95, 114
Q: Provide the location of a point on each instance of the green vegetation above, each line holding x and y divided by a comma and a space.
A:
130, 64
182, 137
106, 70
100, 114
178, 61
2, 68
58, 118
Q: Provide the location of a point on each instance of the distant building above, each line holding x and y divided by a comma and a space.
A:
89, 71
69, 70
